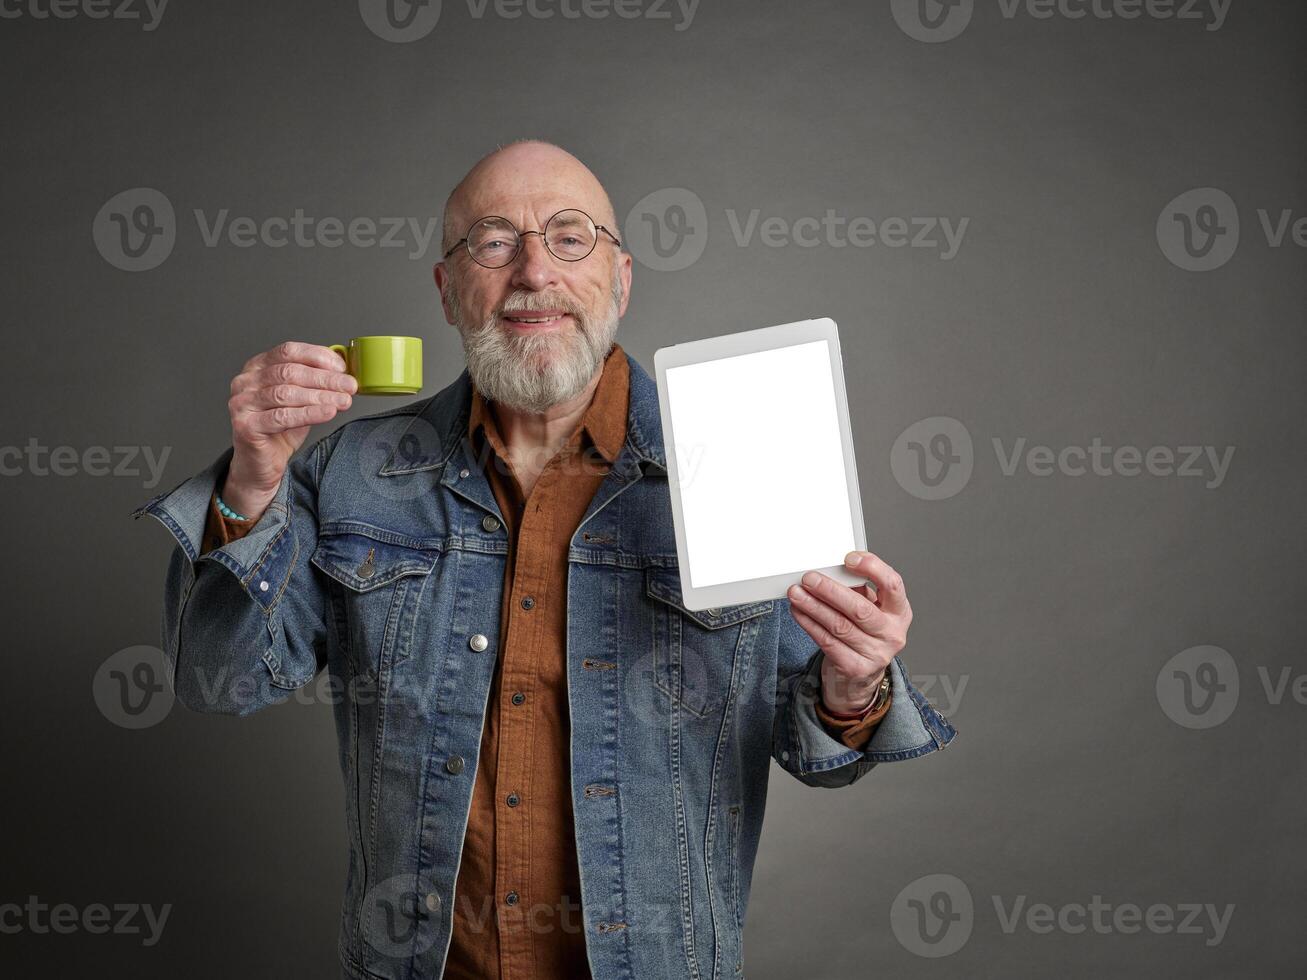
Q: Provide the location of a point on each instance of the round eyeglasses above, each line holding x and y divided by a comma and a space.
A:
570, 235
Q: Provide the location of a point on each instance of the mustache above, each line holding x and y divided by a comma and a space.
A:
526, 302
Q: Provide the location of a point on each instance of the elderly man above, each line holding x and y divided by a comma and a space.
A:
553, 769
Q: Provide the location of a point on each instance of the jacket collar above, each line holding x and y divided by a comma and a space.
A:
439, 426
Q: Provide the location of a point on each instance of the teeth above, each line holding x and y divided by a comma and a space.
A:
522, 319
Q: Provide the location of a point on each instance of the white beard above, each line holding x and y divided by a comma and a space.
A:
530, 372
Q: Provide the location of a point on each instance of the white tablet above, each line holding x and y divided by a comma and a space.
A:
759, 461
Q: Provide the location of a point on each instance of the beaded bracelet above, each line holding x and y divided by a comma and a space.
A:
226, 511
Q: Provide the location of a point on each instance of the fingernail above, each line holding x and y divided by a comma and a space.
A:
811, 580
852, 558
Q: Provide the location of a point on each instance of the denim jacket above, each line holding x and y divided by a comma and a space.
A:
381, 561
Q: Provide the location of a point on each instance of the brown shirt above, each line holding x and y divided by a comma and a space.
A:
517, 908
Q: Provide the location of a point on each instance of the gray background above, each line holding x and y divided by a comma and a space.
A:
1057, 600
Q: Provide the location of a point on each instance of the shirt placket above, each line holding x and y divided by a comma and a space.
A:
514, 805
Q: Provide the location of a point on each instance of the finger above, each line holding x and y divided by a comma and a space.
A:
841, 655
295, 351
831, 619
258, 399
276, 420
891, 595
860, 611
293, 373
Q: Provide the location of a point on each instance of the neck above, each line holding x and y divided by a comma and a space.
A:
532, 433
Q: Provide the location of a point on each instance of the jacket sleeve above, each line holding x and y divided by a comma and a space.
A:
243, 622
803, 746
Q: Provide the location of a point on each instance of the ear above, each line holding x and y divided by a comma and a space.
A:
443, 284
626, 263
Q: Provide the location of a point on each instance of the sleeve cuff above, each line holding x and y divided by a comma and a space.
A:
853, 732
220, 530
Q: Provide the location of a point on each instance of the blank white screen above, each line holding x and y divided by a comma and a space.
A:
761, 468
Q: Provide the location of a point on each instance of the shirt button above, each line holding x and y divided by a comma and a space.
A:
433, 902
785, 757
528, 602
490, 522
454, 764
478, 642
513, 799
511, 898
464, 473
519, 697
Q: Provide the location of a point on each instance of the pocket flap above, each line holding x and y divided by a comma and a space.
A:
664, 584
365, 558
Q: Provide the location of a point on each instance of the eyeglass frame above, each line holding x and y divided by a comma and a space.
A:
521, 239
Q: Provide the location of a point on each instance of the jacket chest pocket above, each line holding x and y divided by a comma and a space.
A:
694, 652
378, 579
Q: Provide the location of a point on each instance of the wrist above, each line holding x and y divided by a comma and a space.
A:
248, 501
880, 689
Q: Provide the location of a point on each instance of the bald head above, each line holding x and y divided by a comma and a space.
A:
526, 182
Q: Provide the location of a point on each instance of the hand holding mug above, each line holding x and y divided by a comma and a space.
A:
277, 397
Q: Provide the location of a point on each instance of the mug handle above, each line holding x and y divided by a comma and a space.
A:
342, 351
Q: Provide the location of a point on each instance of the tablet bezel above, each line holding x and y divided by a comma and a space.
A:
731, 345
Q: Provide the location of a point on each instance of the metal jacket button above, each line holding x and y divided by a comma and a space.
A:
512, 799
367, 569
478, 642
511, 898
490, 522
454, 764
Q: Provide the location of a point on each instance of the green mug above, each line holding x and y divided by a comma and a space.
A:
384, 365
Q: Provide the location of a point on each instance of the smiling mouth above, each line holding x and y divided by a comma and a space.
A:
535, 318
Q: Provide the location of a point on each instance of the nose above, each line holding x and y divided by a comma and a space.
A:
534, 268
